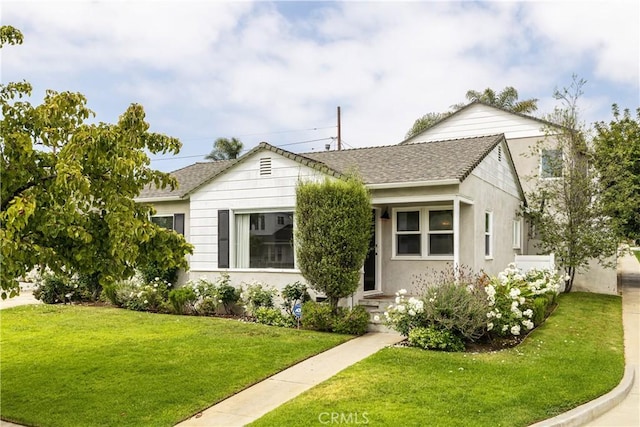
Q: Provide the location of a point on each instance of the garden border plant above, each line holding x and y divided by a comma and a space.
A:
457, 307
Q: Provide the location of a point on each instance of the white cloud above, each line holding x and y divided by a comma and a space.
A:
236, 68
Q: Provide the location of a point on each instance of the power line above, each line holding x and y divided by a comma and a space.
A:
261, 133
159, 159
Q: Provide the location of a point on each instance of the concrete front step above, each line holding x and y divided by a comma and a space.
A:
376, 306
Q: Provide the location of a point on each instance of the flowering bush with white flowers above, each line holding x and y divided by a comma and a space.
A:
257, 295
63, 287
135, 294
516, 299
405, 314
207, 298
452, 302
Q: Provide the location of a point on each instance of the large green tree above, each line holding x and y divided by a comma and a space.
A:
68, 188
225, 149
506, 99
617, 160
333, 228
565, 211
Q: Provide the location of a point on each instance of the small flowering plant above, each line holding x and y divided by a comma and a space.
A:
405, 314
511, 297
257, 295
142, 296
207, 298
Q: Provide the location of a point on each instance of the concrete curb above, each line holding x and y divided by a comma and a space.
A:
593, 409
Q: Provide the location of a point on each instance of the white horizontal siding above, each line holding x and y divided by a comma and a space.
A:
242, 189
479, 120
496, 170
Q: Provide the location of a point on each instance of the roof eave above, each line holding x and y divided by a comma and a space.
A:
158, 199
405, 184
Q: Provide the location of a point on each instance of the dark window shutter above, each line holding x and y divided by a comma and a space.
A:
178, 223
223, 239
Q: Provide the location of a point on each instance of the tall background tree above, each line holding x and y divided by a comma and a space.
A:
68, 188
333, 228
565, 211
617, 160
225, 149
506, 99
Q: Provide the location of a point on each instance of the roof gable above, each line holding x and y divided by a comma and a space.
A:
478, 118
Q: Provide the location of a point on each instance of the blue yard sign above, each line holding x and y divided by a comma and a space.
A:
297, 310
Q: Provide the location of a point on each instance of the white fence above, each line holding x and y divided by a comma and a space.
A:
528, 262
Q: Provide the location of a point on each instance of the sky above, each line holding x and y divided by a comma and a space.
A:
277, 71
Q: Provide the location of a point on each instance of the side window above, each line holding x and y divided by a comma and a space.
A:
441, 232
170, 222
517, 234
551, 164
488, 234
408, 234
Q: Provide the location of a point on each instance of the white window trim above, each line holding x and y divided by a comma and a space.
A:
173, 218
488, 233
517, 234
540, 171
394, 212
424, 233
233, 264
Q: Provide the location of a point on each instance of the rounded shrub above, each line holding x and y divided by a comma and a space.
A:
351, 321
431, 338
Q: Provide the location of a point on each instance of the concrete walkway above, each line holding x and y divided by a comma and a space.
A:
627, 412
253, 402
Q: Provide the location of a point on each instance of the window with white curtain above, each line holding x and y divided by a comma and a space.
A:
264, 240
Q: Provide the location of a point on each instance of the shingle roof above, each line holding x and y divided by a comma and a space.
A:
429, 161
188, 179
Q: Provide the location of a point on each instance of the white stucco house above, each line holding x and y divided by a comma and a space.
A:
433, 203
452, 194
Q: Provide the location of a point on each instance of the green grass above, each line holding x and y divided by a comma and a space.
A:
88, 366
574, 357
637, 254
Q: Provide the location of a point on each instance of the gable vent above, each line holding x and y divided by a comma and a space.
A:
265, 166
499, 153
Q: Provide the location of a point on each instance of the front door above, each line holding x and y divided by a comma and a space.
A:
370, 263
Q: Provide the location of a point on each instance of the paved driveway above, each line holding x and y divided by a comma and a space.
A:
25, 297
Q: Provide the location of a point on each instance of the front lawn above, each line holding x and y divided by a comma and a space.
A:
81, 366
575, 356
637, 254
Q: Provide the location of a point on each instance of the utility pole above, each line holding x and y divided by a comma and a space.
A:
339, 139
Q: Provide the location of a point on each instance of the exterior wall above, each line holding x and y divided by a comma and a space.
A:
401, 274
494, 184
527, 163
243, 189
478, 120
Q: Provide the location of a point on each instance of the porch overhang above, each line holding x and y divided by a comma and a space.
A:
419, 198
158, 199
455, 199
432, 183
